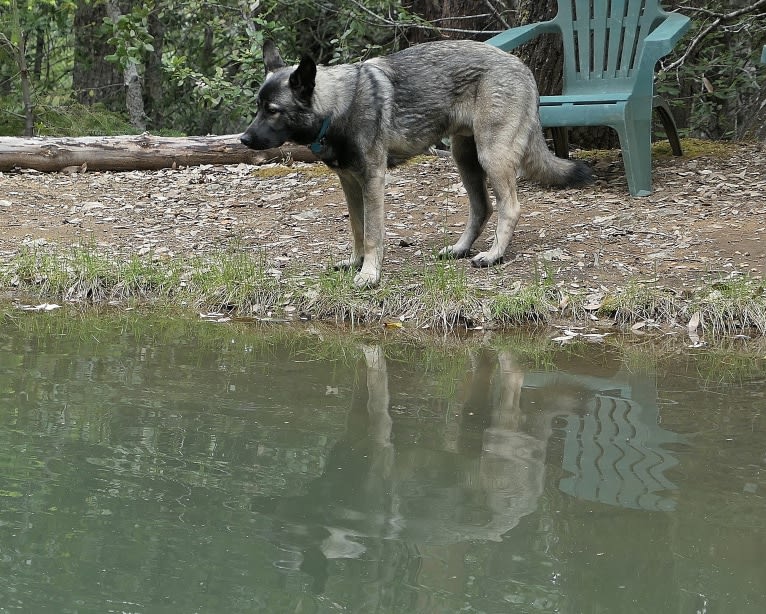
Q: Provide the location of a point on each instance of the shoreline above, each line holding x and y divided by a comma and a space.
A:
438, 296
257, 241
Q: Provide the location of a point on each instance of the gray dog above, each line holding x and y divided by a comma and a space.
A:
359, 118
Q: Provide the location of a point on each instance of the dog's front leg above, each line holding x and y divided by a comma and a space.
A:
374, 228
364, 197
352, 189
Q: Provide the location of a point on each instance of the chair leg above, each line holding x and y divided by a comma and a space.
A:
668, 124
636, 143
560, 142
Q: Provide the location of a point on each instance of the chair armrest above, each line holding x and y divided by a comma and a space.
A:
662, 40
512, 38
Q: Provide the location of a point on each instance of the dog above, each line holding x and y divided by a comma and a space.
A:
360, 117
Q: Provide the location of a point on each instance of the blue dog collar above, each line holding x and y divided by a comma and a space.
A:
318, 144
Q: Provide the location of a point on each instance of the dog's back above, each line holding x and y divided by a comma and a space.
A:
467, 88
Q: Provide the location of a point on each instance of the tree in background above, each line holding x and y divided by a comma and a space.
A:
193, 67
15, 45
714, 77
94, 78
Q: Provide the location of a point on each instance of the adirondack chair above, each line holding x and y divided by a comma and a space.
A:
610, 50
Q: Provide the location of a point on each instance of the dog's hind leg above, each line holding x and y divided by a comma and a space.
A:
475, 183
502, 177
355, 202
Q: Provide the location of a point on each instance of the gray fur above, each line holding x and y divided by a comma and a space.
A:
394, 107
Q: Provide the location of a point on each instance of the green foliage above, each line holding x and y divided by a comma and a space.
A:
130, 35
717, 76
45, 26
212, 52
204, 54
200, 60
530, 304
60, 117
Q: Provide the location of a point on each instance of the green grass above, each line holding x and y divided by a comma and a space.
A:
531, 304
438, 294
445, 297
233, 279
639, 301
527, 304
732, 305
82, 274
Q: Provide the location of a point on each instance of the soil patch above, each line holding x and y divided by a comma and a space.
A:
705, 220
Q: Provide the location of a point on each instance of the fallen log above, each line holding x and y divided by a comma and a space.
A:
137, 152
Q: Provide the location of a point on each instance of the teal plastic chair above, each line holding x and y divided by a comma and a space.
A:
610, 50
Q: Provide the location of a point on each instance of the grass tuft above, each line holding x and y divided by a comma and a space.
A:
233, 279
439, 295
531, 304
638, 302
731, 305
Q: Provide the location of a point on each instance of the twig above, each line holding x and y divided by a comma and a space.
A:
631, 231
390, 23
719, 18
496, 13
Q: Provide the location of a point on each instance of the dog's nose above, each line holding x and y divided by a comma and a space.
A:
246, 140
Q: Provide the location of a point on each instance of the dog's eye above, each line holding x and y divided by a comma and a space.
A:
270, 109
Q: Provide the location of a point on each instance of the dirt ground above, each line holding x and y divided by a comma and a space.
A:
705, 220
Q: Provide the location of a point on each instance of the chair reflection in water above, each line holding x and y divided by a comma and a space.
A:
613, 446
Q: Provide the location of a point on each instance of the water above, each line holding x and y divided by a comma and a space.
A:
154, 466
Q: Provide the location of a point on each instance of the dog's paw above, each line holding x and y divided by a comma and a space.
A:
367, 279
451, 253
349, 264
484, 259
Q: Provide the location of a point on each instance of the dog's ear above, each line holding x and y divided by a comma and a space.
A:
271, 58
303, 79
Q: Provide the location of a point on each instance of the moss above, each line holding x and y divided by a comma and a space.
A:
698, 148
280, 170
692, 148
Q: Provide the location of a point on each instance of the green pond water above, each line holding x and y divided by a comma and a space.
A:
148, 465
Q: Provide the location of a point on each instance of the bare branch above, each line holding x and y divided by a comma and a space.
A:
378, 20
719, 19
726, 16
496, 14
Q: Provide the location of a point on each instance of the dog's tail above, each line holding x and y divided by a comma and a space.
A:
539, 164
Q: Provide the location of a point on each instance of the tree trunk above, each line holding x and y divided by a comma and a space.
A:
37, 70
93, 78
755, 127
142, 152
26, 87
134, 96
460, 19
18, 51
153, 73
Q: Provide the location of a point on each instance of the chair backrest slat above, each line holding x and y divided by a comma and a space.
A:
616, 17
599, 22
582, 29
602, 38
630, 36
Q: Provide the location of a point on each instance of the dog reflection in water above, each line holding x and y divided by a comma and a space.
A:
473, 479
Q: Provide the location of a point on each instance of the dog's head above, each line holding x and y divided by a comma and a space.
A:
284, 104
